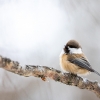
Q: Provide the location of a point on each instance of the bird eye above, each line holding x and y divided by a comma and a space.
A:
71, 46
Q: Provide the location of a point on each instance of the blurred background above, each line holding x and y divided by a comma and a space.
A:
34, 32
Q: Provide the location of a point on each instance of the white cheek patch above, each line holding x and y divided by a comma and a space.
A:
75, 50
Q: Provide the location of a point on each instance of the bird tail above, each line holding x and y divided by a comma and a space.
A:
97, 73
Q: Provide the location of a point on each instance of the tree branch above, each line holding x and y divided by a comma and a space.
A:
43, 72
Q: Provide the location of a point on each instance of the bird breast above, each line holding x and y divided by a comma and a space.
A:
67, 66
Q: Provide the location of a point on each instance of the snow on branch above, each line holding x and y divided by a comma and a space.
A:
44, 71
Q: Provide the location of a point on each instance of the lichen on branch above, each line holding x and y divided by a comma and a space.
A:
43, 72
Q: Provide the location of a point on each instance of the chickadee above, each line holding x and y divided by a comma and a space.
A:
73, 60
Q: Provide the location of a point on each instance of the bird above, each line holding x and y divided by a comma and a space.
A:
74, 61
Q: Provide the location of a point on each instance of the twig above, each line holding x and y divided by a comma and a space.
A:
43, 72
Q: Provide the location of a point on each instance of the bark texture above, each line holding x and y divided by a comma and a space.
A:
44, 71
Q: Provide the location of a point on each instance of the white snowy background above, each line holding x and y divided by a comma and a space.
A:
34, 32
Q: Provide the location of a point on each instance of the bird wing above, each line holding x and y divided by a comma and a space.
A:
82, 62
